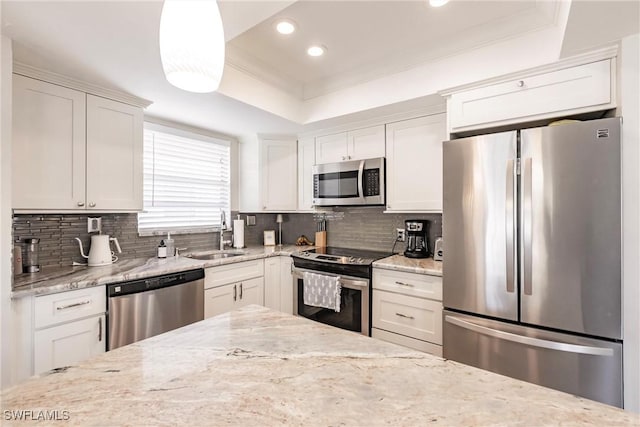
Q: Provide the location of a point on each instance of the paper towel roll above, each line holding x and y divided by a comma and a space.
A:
238, 233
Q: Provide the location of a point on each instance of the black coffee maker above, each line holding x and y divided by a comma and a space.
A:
417, 231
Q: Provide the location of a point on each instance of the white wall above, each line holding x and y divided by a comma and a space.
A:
6, 352
630, 94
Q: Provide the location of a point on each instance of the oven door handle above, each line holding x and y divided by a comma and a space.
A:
346, 282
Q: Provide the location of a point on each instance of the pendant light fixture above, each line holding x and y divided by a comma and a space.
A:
192, 44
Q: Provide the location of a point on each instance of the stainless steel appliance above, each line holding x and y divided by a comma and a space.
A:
529, 291
417, 231
354, 268
355, 182
438, 250
143, 308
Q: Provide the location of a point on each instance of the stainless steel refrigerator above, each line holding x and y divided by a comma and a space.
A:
532, 261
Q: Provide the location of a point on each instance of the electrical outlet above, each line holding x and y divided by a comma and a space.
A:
94, 225
400, 234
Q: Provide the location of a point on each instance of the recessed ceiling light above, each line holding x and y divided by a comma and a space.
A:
316, 50
285, 26
438, 3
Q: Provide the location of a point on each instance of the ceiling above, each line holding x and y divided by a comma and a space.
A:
380, 53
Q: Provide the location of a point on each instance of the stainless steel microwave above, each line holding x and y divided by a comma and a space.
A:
352, 183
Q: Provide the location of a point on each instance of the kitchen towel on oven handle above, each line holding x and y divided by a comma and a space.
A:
321, 291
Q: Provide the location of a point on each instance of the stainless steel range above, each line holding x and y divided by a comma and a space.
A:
353, 266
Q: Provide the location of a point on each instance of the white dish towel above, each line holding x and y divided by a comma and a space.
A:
322, 291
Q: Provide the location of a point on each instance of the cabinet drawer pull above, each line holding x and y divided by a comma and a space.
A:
64, 307
240, 290
405, 316
235, 293
520, 83
404, 284
81, 204
100, 329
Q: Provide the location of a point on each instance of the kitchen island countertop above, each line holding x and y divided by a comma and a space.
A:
60, 279
255, 366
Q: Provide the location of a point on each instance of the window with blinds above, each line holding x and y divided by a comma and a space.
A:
186, 182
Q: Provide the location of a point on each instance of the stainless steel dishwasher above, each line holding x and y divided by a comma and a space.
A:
140, 309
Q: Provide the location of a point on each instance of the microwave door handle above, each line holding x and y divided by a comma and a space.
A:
361, 180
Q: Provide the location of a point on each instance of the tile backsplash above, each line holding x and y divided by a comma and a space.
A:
346, 227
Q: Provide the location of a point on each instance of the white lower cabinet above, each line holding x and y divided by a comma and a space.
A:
69, 327
232, 286
278, 284
69, 343
407, 309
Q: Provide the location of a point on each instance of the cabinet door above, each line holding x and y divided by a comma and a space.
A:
586, 87
366, 143
286, 285
272, 283
306, 160
250, 292
414, 164
220, 300
331, 148
279, 175
114, 155
68, 344
48, 146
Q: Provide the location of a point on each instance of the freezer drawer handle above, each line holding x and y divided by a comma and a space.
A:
534, 342
77, 304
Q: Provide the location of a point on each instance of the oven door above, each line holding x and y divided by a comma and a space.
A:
354, 303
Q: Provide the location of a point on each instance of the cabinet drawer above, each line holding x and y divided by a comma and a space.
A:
583, 87
404, 341
68, 306
414, 317
417, 285
224, 274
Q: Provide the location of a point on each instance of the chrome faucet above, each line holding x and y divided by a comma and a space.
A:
223, 227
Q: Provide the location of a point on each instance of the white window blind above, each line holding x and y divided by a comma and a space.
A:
186, 182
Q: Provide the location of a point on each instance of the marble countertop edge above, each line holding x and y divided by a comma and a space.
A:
399, 262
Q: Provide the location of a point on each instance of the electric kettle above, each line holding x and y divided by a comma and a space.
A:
100, 252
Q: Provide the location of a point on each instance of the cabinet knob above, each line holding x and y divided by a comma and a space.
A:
81, 204
344, 158
520, 83
92, 205
264, 208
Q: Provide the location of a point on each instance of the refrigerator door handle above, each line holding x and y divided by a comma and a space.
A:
534, 342
527, 218
510, 224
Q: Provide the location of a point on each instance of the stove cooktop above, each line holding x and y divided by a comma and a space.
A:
343, 255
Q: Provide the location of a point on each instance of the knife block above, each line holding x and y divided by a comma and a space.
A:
321, 239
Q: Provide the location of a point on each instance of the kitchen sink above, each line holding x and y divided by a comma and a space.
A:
214, 255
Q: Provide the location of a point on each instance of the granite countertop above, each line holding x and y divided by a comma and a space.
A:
411, 265
255, 366
52, 280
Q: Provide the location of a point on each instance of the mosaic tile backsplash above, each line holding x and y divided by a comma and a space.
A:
346, 227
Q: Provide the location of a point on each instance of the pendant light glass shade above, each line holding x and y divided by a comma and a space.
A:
192, 44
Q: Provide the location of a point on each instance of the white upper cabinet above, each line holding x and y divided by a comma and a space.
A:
48, 146
76, 151
114, 155
357, 144
306, 160
268, 175
572, 90
414, 164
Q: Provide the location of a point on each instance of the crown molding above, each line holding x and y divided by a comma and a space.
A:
71, 83
585, 58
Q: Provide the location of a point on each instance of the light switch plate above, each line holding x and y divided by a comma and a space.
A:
94, 225
400, 234
251, 220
